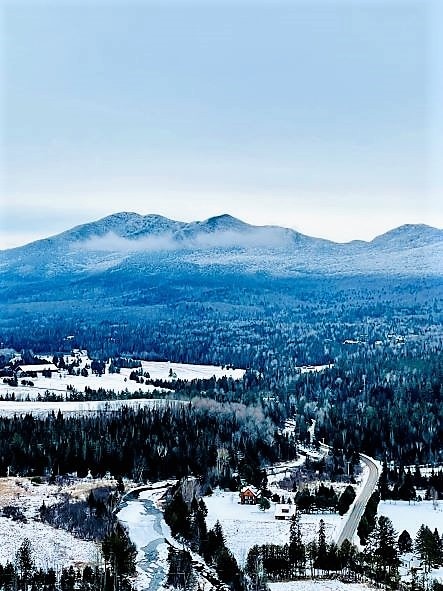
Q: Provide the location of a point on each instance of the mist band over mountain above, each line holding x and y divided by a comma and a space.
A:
130, 240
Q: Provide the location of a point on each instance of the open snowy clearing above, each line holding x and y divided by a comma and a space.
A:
245, 525
39, 408
52, 547
160, 370
59, 383
411, 516
318, 585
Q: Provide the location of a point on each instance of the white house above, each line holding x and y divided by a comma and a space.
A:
284, 511
25, 370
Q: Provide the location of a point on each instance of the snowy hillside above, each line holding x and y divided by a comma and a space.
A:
128, 242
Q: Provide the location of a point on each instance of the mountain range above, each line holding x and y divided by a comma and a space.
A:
128, 242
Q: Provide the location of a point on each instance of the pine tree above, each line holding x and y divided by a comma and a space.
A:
405, 542
363, 529
297, 550
322, 548
177, 516
381, 551
25, 562
180, 568
311, 553
264, 504
198, 531
347, 555
255, 570
428, 547
345, 500
227, 568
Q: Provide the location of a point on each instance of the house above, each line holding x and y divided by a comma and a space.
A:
284, 511
36, 370
249, 495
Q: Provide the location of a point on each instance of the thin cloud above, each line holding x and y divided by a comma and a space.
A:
111, 242
254, 238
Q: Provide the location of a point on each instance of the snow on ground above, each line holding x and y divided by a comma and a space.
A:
319, 585
149, 532
245, 525
117, 382
314, 368
52, 547
58, 385
40, 408
411, 516
281, 469
185, 371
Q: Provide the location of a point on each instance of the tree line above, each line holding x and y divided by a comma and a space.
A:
163, 441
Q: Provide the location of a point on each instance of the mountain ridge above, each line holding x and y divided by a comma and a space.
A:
128, 240
135, 225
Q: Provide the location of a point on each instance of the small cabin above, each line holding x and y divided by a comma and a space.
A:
284, 511
249, 495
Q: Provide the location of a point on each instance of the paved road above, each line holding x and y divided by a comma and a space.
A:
351, 524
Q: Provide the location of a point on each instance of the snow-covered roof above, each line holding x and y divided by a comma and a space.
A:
36, 368
284, 510
252, 489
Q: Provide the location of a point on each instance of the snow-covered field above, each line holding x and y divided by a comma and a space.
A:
245, 525
59, 384
51, 547
186, 371
39, 408
319, 585
411, 516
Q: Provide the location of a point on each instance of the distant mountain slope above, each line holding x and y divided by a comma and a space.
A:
409, 236
128, 242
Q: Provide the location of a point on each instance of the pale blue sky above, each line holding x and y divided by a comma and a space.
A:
320, 115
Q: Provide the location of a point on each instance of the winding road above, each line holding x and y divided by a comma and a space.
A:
360, 502
147, 529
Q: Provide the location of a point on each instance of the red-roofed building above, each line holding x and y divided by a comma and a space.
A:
249, 495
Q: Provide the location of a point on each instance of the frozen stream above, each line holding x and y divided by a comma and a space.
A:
149, 533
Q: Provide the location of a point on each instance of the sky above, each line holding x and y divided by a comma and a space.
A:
325, 116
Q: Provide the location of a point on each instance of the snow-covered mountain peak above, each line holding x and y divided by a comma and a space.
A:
132, 240
408, 235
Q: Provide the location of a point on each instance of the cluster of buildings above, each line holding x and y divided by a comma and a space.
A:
249, 495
